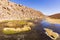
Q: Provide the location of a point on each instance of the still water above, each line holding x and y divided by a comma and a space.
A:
54, 27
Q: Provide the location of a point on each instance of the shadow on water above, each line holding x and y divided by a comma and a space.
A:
54, 27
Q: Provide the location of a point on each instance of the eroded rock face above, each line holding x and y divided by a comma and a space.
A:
13, 11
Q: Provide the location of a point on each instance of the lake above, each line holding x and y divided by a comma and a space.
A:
54, 27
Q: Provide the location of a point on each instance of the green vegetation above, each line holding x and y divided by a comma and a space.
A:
8, 31
17, 26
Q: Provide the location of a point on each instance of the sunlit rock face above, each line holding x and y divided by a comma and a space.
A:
13, 11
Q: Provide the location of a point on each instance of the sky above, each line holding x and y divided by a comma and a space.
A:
47, 7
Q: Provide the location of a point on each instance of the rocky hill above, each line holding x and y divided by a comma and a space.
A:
54, 19
10, 10
55, 16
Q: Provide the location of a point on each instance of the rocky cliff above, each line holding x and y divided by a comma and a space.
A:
13, 11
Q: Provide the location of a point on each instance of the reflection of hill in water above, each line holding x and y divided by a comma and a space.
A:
54, 27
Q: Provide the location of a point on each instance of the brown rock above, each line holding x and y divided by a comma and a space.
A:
55, 16
13, 11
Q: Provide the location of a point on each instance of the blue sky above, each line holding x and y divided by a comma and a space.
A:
47, 7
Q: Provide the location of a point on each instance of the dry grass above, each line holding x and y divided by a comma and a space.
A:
53, 21
51, 34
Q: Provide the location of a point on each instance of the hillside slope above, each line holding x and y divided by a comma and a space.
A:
55, 16
13, 11
54, 19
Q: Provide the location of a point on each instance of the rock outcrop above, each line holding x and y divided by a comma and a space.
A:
13, 11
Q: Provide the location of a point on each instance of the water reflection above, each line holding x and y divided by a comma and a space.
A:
54, 27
